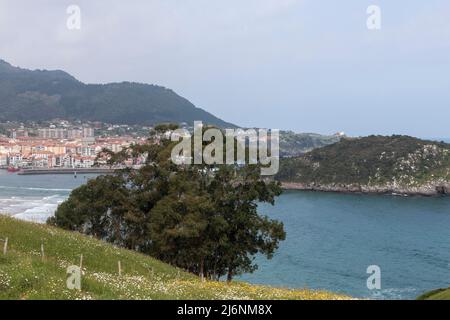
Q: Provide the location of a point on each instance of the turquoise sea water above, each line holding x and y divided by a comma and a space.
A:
331, 238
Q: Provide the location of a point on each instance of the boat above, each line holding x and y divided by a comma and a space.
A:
13, 169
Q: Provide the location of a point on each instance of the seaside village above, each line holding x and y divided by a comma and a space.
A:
58, 146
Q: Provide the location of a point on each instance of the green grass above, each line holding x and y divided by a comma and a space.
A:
25, 274
438, 294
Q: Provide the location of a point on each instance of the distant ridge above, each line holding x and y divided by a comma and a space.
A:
44, 95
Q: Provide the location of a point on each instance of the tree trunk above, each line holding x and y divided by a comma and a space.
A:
230, 274
202, 275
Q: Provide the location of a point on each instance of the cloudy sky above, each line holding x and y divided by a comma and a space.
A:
306, 65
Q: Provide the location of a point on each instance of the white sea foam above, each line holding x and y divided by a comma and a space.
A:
34, 189
35, 209
393, 293
35, 198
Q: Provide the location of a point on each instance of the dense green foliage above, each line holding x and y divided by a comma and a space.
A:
371, 160
45, 95
201, 218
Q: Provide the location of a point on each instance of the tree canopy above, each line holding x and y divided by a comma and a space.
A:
202, 218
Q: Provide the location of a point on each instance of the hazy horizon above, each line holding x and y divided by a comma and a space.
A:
301, 65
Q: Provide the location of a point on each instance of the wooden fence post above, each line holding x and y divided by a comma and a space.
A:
120, 268
42, 251
5, 246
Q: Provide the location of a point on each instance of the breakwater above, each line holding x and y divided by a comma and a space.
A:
66, 171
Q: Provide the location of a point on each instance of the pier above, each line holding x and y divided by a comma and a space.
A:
66, 171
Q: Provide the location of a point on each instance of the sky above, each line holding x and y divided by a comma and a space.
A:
302, 65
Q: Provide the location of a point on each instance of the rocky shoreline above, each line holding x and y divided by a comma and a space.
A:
428, 190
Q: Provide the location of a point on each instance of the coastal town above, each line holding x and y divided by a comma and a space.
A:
61, 144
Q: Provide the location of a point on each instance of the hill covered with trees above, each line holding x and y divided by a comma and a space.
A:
45, 95
380, 164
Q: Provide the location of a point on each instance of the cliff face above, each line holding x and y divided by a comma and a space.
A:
375, 164
434, 188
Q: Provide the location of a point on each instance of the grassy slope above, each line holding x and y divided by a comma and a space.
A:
24, 274
438, 294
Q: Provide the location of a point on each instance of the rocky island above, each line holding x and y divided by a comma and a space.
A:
396, 164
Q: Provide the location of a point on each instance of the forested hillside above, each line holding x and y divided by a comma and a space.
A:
44, 95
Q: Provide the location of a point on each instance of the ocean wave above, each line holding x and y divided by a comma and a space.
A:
394, 293
35, 189
35, 209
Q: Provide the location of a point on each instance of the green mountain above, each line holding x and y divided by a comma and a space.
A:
27, 274
45, 95
380, 164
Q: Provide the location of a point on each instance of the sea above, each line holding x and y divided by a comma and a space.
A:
36, 197
332, 239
